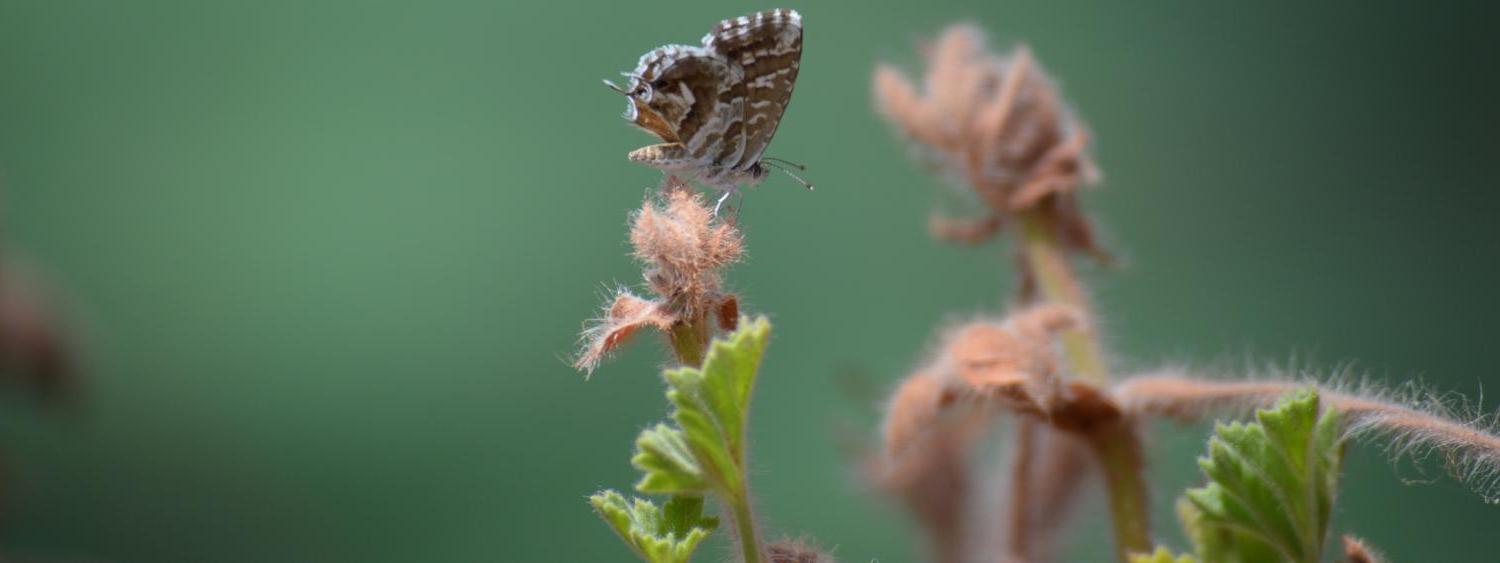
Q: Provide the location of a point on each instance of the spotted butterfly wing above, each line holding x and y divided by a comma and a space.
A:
768, 46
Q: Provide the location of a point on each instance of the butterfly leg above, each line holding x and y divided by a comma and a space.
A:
722, 199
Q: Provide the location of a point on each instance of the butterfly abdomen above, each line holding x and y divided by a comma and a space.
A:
666, 156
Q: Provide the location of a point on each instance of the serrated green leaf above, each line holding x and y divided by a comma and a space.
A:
684, 513
1161, 555
663, 454
666, 534
1221, 544
712, 404
1271, 485
704, 452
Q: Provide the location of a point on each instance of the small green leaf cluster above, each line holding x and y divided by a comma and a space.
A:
1271, 487
701, 451
1162, 555
666, 534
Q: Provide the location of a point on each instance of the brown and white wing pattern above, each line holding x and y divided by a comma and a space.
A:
676, 95
716, 106
768, 47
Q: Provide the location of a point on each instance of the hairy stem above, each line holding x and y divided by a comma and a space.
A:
1119, 452
1048, 262
1116, 445
744, 525
690, 341
1188, 398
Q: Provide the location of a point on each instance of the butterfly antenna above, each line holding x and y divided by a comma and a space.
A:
632, 76
786, 162
782, 167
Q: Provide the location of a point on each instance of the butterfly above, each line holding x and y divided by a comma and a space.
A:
715, 106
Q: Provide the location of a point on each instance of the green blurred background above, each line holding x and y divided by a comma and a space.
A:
327, 259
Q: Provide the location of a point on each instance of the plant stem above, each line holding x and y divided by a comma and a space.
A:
1048, 261
1119, 452
744, 524
690, 341
1021, 479
1116, 445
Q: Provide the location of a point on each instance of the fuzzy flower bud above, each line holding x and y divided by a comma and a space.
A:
684, 250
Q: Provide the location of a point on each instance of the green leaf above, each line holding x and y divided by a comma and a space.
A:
704, 452
667, 534
1271, 485
1221, 544
712, 404
662, 453
1161, 555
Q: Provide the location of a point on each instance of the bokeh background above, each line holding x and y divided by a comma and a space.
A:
326, 259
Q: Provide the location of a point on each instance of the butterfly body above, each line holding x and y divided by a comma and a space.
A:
716, 106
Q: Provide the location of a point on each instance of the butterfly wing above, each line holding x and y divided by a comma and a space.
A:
767, 46
679, 94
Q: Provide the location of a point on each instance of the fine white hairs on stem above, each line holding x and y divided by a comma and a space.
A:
1409, 422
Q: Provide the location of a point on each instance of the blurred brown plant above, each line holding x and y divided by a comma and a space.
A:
936, 416
928, 442
996, 123
796, 551
1355, 551
34, 348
